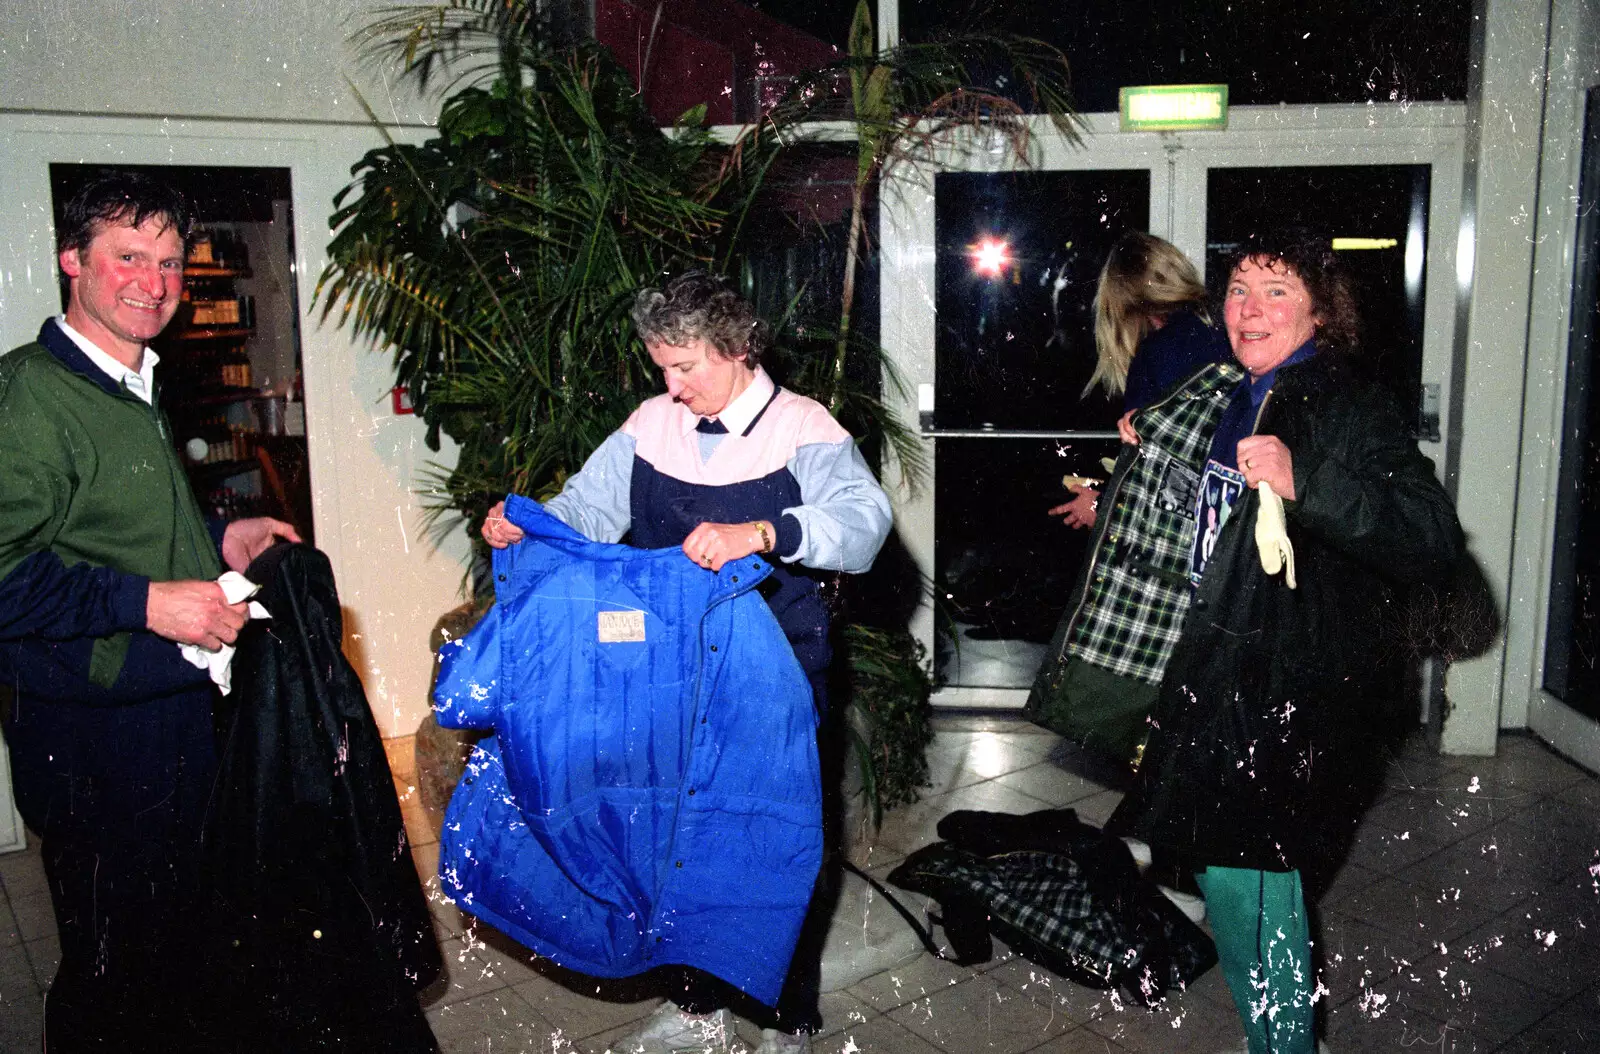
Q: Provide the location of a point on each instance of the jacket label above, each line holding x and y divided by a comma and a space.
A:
617, 627
1179, 486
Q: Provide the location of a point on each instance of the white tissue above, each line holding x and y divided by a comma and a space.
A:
236, 588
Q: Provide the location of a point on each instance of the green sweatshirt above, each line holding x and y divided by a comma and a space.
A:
88, 472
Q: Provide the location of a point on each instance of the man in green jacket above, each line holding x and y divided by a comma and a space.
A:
106, 567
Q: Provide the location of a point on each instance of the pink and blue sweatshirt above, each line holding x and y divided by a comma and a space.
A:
782, 458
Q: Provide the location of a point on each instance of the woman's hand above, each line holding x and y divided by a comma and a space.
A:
1082, 510
1264, 459
498, 531
1125, 428
713, 544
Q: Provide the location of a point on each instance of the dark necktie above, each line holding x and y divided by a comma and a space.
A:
711, 427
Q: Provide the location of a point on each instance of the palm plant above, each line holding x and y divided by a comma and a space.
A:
497, 261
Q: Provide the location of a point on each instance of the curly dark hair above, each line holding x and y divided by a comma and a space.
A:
1332, 288
697, 305
120, 196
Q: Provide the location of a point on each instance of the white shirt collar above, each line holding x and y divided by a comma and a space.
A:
140, 382
738, 414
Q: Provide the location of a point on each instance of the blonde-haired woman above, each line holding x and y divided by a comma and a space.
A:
1150, 331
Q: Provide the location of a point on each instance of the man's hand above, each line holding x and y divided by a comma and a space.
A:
194, 613
245, 540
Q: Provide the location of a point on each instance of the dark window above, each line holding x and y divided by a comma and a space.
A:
1572, 645
1015, 343
827, 20
1266, 51
1019, 258
736, 58
1385, 203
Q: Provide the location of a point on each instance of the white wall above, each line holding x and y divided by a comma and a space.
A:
274, 60
1495, 262
282, 64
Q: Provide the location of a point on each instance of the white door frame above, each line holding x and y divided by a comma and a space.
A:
1574, 35
1289, 136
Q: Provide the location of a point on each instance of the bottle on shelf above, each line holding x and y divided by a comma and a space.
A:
217, 312
221, 441
294, 410
235, 372
200, 249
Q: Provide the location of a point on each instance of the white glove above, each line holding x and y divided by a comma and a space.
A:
1272, 535
235, 587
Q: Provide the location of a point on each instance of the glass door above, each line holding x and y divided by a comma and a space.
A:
1572, 637
1018, 260
1377, 216
988, 280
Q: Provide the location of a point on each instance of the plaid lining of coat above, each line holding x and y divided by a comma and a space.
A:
1138, 589
1137, 943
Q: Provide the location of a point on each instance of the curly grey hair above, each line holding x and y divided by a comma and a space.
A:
701, 306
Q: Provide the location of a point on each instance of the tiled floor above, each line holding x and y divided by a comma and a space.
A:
1467, 919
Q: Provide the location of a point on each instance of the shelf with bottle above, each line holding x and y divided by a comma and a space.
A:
216, 250
211, 309
227, 504
214, 333
218, 441
221, 369
192, 271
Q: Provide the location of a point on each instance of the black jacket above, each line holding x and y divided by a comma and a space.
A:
1263, 728
322, 932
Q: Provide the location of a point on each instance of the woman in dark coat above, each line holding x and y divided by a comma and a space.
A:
1276, 679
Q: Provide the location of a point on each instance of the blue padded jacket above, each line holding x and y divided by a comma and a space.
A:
651, 795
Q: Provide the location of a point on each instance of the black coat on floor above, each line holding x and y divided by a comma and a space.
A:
321, 931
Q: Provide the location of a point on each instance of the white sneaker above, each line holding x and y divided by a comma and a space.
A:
1140, 851
669, 1030
775, 1042
1193, 907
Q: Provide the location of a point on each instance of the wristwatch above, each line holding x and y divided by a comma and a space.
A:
766, 536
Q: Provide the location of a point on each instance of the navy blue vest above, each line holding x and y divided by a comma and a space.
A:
664, 510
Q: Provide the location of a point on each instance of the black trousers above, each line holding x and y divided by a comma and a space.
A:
116, 796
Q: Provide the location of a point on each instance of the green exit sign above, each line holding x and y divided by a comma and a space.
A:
1175, 108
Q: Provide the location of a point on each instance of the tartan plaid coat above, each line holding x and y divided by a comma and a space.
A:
1270, 696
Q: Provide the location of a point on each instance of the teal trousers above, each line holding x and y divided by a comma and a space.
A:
1263, 937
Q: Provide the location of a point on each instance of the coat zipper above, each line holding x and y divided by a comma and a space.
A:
695, 722
1255, 426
